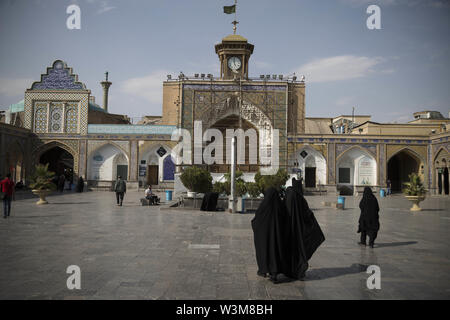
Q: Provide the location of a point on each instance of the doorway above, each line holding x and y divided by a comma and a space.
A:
310, 177
399, 167
152, 174
59, 161
122, 170
446, 184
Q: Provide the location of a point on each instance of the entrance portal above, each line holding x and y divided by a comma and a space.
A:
59, 161
399, 167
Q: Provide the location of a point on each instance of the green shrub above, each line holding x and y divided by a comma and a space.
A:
276, 181
414, 187
225, 187
253, 189
196, 179
219, 187
42, 178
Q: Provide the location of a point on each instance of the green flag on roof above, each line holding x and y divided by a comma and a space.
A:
229, 9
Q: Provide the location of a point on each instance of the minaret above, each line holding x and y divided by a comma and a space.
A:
105, 84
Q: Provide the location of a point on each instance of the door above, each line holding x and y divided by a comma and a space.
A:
122, 170
310, 177
152, 174
446, 185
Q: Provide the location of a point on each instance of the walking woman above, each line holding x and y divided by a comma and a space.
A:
305, 234
368, 220
271, 231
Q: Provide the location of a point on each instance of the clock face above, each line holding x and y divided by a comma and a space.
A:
234, 63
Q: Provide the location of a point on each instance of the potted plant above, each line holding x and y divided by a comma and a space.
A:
41, 182
240, 187
253, 191
196, 180
414, 191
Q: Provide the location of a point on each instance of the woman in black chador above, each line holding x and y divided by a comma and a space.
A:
305, 235
80, 185
368, 220
270, 232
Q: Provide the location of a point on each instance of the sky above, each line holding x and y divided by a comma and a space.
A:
388, 73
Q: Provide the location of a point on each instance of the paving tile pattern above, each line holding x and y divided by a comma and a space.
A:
135, 252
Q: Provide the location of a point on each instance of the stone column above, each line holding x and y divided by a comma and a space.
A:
134, 158
382, 166
331, 169
105, 85
82, 161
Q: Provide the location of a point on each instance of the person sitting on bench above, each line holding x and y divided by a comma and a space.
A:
150, 196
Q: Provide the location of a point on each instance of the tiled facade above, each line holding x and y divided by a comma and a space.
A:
56, 114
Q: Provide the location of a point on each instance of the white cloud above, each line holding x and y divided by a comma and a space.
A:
105, 7
148, 87
338, 68
14, 87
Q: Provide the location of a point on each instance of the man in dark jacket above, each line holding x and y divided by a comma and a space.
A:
120, 188
7, 187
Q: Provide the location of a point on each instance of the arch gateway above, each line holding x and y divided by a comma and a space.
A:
59, 121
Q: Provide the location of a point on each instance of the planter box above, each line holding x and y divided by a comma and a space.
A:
251, 204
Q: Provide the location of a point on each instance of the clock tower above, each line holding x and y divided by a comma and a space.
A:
234, 53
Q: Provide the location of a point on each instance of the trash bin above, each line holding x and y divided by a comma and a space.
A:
169, 195
382, 193
242, 208
341, 202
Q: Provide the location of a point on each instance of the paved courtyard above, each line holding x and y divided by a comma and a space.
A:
135, 252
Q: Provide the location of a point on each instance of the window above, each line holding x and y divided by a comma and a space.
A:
344, 175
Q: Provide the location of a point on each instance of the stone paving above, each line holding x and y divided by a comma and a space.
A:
135, 252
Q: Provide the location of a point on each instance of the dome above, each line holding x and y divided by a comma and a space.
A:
234, 37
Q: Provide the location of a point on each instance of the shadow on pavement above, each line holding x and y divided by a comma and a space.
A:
325, 273
394, 244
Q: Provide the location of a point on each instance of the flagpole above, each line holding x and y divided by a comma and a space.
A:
235, 10
235, 15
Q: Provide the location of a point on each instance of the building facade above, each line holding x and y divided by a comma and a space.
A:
59, 123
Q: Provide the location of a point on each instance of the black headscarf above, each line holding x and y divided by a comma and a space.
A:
209, 202
270, 232
305, 234
369, 219
297, 185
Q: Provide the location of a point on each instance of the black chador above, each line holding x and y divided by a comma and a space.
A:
305, 235
368, 220
209, 202
270, 232
80, 185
